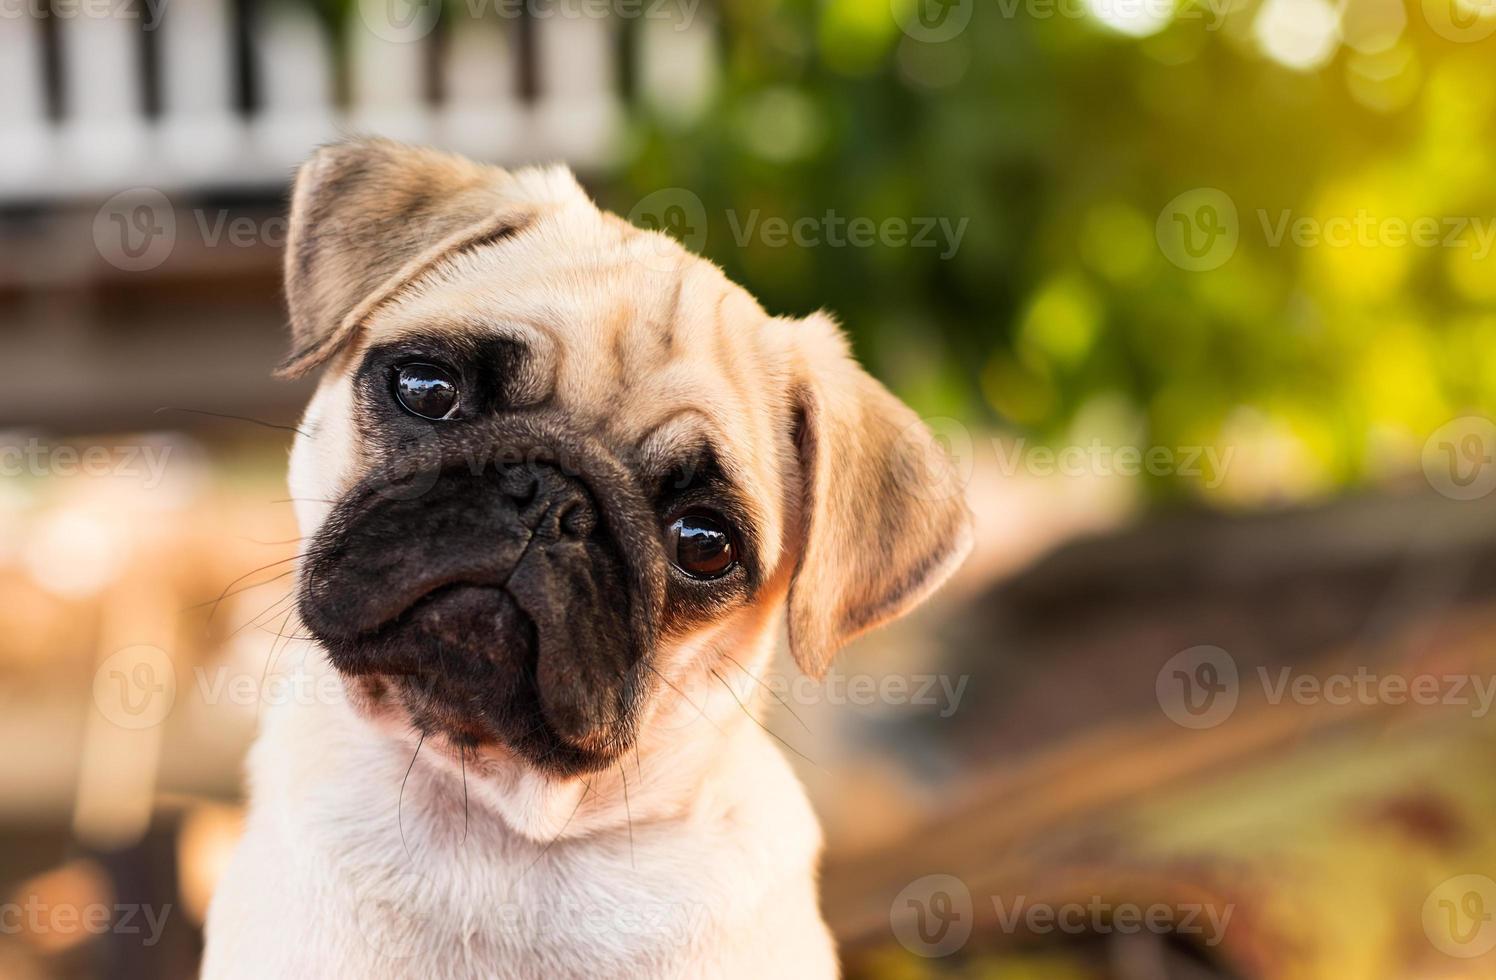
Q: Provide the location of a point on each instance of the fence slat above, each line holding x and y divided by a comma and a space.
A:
483, 115
101, 74
677, 62
196, 59
296, 86
576, 56
578, 107
200, 128
25, 100
23, 109
386, 43
104, 127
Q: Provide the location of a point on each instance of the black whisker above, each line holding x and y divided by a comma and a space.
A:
283, 636
462, 754
269, 662
254, 571
234, 418
709, 718
266, 614
587, 788
629, 814
400, 804
761, 724
770, 690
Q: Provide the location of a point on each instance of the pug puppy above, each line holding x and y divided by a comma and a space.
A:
560, 483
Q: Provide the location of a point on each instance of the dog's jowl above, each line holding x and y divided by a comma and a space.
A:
559, 477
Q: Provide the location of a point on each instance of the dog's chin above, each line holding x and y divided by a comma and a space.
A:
403, 713
464, 680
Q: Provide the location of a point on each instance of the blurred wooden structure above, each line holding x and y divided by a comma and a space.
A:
1348, 841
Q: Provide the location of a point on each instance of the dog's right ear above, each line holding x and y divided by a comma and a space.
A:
369, 216
883, 520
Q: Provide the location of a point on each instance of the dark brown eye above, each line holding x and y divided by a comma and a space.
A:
701, 545
426, 391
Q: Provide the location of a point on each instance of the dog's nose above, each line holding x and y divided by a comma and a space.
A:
553, 505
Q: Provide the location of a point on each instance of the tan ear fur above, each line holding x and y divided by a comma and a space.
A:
880, 529
368, 217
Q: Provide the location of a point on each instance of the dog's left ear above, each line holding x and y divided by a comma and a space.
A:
883, 520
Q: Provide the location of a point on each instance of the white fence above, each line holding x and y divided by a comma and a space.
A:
185, 95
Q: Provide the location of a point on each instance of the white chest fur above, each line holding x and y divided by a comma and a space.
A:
706, 870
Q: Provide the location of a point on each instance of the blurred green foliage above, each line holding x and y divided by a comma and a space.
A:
1063, 141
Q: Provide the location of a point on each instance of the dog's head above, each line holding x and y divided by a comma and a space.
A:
555, 461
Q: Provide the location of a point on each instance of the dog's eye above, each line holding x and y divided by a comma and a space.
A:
426, 391
700, 545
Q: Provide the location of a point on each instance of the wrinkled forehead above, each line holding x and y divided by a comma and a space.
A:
622, 331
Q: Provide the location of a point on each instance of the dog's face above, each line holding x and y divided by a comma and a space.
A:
556, 465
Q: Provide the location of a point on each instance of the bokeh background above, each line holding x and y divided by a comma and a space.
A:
1199, 296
